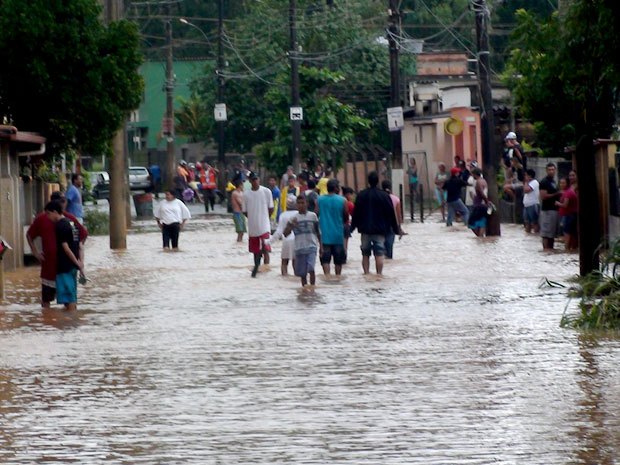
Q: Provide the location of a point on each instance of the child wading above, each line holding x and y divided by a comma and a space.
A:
305, 225
69, 258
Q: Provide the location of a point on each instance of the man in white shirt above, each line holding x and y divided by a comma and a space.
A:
531, 202
258, 206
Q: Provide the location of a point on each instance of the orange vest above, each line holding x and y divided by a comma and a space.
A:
207, 178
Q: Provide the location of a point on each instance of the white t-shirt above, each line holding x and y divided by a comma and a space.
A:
533, 197
172, 211
257, 204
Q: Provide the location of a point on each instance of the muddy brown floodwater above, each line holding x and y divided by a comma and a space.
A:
454, 357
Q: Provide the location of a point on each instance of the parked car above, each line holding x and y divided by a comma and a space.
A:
100, 185
139, 179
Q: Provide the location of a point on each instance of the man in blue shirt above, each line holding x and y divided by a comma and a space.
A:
155, 171
74, 197
333, 213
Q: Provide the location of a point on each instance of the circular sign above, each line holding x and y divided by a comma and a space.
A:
453, 126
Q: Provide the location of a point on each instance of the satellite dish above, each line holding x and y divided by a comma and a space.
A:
453, 126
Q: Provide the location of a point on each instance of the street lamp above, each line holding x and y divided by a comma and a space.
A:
185, 21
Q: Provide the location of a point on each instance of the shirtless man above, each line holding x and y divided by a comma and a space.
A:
237, 205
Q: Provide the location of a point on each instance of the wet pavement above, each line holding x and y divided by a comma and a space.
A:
455, 356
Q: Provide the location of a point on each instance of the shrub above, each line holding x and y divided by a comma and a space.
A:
599, 294
97, 223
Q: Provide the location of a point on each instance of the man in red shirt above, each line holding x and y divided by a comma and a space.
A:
45, 228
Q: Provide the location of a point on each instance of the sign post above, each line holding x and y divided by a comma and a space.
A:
396, 120
167, 127
220, 112
297, 113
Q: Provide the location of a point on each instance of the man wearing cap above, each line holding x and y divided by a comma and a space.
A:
258, 207
45, 228
512, 149
453, 187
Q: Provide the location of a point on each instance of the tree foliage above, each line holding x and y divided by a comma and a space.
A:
329, 126
64, 74
565, 69
336, 40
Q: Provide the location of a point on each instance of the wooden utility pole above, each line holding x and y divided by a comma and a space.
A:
118, 163
221, 125
395, 101
489, 158
295, 101
590, 233
169, 126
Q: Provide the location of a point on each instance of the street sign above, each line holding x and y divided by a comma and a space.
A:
220, 112
297, 113
396, 121
167, 127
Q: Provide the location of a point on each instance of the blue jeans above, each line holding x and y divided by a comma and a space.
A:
457, 206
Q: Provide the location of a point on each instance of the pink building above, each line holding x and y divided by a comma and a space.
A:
442, 119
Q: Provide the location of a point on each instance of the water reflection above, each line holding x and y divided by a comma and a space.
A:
597, 423
455, 356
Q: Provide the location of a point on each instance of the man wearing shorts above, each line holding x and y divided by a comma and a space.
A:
549, 219
374, 217
45, 229
333, 213
305, 225
237, 205
69, 256
258, 206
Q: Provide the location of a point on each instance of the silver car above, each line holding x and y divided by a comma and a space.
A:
139, 178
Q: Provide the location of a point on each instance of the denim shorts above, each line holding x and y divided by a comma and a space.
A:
531, 213
304, 263
374, 243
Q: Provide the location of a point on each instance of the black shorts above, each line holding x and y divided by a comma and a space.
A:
333, 250
347, 231
48, 294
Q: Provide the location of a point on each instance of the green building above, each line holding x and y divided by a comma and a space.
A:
146, 144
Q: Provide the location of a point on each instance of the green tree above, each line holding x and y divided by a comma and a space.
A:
535, 73
64, 74
565, 73
341, 38
329, 125
558, 65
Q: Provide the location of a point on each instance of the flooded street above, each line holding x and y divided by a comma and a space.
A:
455, 356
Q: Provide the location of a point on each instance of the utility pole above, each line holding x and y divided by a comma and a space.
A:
221, 125
169, 126
118, 168
295, 123
395, 101
489, 159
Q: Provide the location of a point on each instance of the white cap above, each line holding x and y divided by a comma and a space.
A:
510, 135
